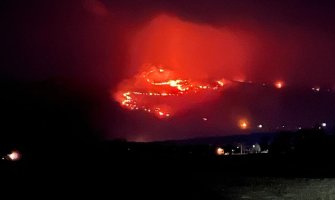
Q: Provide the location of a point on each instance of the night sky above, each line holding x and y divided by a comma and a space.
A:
92, 48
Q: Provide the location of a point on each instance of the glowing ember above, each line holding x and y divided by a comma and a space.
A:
147, 89
220, 151
243, 124
15, 155
279, 84
316, 89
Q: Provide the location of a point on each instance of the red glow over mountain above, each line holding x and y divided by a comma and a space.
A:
163, 92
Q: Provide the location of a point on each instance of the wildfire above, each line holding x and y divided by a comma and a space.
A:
279, 84
220, 151
158, 82
243, 124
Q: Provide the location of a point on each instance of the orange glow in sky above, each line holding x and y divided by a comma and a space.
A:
243, 124
201, 51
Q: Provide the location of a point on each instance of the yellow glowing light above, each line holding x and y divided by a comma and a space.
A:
173, 83
14, 155
220, 151
243, 124
279, 84
221, 83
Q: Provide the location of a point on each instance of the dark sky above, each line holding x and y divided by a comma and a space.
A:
93, 45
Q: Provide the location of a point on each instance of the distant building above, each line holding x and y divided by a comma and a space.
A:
256, 148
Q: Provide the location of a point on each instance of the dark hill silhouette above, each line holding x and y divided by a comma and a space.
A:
248, 139
44, 118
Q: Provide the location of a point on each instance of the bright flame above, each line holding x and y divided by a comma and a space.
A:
220, 151
279, 84
158, 82
14, 155
243, 124
221, 82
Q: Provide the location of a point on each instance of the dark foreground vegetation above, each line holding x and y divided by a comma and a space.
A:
122, 170
62, 156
